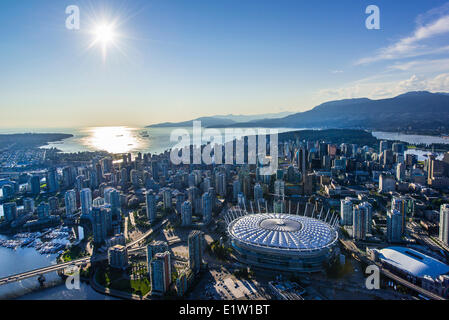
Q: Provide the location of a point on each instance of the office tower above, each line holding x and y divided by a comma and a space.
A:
118, 257
99, 224
67, 177
241, 200
10, 211
279, 188
207, 183
167, 199
394, 226
106, 165
384, 145
35, 185
206, 207
346, 212
114, 202
444, 224
196, 248
400, 171
399, 204
52, 181
43, 210
331, 150
150, 201
386, 183
70, 202
160, 273
220, 184
180, 198
186, 213
155, 170
398, 148
123, 176
192, 180
28, 205
258, 192
86, 201
301, 160
411, 159
236, 189
437, 173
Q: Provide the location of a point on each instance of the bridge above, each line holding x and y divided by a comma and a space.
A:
81, 261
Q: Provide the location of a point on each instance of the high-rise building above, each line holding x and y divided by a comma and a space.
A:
444, 224
52, 181
118, 257
384, 145
399, 204
153, 248
206, 207
220, 183
346, 212
196, 248
160, 273
400, 171
180, 198
387, 183
359, 222
54, 204
10, 211
186, 213
236, 189
86, 201
70, 202
258, 192
35, 185
28, 205
43, 210
279, 188
114, 202
394, 222
150, 201
99, 224
167, 199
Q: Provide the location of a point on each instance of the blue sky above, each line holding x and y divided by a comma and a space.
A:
176, 59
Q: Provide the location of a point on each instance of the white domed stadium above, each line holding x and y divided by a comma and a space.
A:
282, 242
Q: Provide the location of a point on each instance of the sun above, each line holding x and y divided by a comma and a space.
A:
104, 35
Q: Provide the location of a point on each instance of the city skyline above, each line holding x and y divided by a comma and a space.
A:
175, 61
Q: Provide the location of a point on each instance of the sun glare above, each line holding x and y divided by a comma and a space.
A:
104, 35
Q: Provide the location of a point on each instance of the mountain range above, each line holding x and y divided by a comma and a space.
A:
410, 112
222, 120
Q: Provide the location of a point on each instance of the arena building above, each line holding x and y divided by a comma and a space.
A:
282, 242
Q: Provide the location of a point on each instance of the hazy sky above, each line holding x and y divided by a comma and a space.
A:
175, 60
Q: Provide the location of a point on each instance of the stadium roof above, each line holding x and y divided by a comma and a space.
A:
283, 231
413, 262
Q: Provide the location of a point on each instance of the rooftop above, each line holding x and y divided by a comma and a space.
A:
413, 262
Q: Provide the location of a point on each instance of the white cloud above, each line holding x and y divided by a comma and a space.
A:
413, 45
379, 90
